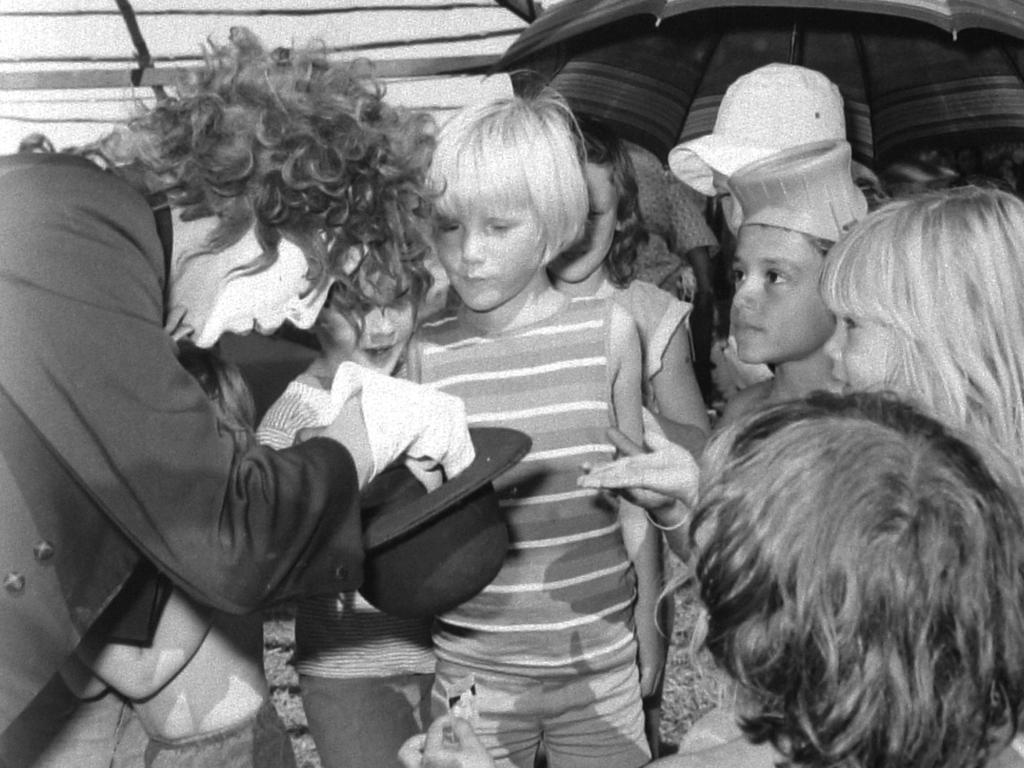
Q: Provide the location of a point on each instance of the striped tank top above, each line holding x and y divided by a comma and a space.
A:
563, 600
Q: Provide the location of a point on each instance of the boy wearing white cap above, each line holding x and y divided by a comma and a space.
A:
775, 107
796, 204
772, 108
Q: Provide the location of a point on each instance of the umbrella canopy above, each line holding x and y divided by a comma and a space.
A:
905, 84
571, 18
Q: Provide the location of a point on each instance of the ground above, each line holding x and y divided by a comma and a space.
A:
689, 686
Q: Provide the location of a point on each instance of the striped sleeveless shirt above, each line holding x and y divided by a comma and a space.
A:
563, 601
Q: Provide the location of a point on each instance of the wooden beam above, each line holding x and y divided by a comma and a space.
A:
62, 79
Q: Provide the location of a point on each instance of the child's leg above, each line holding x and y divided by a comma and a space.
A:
596, 720
259, 742
506, 711
221, 687
364, 721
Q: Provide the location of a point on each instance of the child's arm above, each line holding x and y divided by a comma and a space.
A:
678, 396
641, 539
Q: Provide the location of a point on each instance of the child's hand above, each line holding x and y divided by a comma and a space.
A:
655, 479
449, 743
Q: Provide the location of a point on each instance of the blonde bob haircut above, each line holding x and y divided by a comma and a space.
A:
511, 153
945, 271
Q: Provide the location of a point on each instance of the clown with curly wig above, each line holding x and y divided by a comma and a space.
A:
286, 147
284, 178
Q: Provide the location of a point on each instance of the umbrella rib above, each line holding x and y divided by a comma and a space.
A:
796, 44
858, 43
142, 50
1012, 61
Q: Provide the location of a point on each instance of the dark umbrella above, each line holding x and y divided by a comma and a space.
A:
574, 17
905, 83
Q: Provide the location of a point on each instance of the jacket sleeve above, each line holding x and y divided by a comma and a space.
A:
87, 360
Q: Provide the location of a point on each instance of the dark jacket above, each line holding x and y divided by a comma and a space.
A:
109, 451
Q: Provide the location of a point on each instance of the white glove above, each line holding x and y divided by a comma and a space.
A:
425, 426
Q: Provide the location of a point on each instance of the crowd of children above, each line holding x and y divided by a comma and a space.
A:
854, 524
365, 676
551, 333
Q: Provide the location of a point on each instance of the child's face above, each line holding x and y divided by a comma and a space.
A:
382, 343
777, 312
491, 254
587, 254
863, 354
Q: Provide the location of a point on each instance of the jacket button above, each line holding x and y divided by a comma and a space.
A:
14, 583
42, 550
341, 572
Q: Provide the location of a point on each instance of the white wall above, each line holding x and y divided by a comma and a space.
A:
38, 35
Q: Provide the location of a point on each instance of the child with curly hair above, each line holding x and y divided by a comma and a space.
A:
365, 675
862, 571
603, 263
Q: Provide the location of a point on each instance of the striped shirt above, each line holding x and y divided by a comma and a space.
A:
563, 600
342, 635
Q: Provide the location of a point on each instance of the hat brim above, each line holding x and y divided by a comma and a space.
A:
497, 449
695, 162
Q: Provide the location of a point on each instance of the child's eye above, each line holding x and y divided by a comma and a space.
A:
737, 275
774, 277
447, 225
850, 323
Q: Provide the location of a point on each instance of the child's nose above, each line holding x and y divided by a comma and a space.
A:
380, 326
834, 346
744, 295
473, 248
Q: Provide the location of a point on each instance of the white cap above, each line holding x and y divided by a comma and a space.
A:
807, 189
775, 107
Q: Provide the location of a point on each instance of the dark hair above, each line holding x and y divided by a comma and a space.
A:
378, 281
603, 147
862, 574
224, 384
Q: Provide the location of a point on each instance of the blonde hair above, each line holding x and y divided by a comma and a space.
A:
515, 151
945, 271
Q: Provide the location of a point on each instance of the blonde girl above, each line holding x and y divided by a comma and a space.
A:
929, 295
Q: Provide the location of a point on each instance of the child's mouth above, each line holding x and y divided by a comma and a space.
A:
378, 354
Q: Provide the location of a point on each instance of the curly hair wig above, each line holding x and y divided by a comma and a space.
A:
295, 144
863, 577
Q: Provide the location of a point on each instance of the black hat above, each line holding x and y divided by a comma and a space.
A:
428, 552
